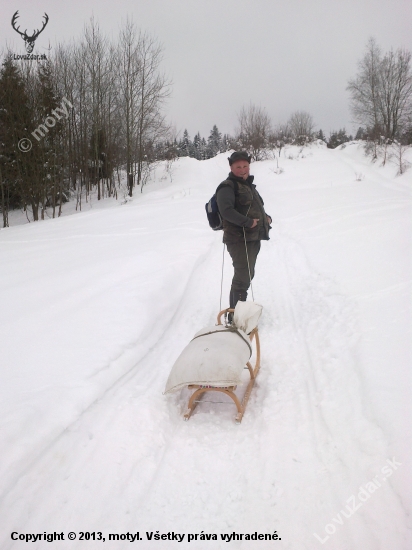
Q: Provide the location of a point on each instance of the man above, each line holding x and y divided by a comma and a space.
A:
245, 223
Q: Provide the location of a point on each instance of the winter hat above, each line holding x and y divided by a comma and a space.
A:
239, 155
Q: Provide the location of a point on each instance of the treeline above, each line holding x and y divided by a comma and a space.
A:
255, 133
71, 123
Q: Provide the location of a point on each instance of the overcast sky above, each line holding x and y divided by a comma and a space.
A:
283, 55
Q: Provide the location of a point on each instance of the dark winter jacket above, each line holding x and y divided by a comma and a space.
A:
239, 204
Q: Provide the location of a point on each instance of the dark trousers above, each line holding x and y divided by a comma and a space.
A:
241, 279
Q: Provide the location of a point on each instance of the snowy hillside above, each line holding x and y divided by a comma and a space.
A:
96, 307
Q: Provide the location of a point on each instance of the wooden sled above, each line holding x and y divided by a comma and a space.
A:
230, 390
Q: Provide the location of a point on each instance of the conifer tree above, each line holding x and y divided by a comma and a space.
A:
337, 138
15, 122
361, 133
214, 142
185, 145
204, 149
197, 147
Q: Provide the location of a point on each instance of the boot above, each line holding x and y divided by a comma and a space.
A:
234, 297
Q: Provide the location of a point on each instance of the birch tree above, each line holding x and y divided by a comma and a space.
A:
154, 90
381, 92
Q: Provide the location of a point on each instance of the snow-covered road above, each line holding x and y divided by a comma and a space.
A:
97, 306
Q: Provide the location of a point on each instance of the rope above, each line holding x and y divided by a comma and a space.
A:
248, 265
221, 282
228, 329
247, 256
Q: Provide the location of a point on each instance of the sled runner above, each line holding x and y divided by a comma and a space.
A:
217, 356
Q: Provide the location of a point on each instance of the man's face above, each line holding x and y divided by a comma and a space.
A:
241, 169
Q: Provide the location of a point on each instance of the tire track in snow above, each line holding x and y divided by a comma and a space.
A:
317, 330
173, 474
315, 419
324, 451
148, 379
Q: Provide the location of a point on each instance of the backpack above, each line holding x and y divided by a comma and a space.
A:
212, 210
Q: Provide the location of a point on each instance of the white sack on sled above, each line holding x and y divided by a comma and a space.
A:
247, 315
217, 355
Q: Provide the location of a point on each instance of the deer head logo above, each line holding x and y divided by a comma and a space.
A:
29, 40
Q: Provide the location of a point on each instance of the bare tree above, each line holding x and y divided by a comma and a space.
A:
98, 93
87, 77
381, 92
129, 68
66, 81
398, 156
254, 130
301, 127
154, 90
143, 90
395, 99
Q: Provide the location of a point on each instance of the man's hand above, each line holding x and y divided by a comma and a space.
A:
255, 222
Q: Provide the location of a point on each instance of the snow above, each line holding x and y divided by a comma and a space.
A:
97, 306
